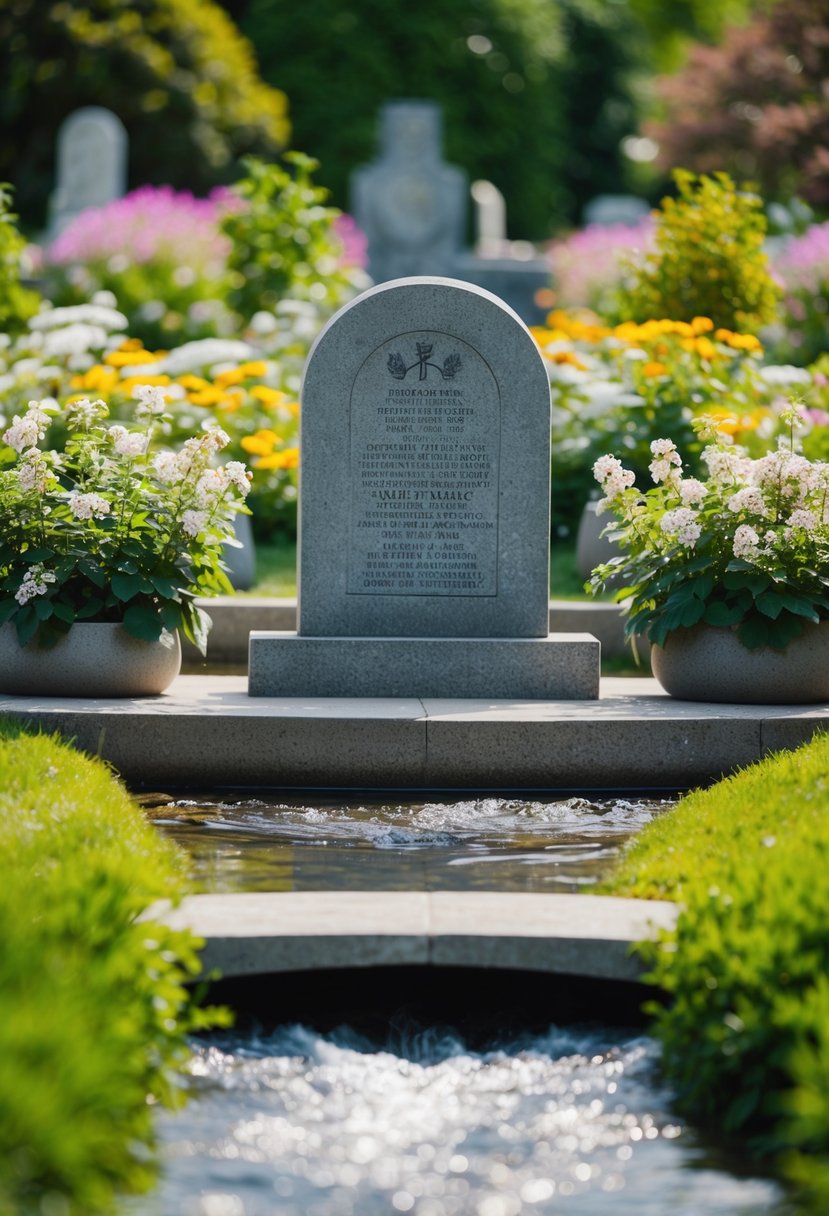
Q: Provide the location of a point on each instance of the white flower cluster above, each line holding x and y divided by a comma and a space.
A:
83, 413
128, 443
88, 506
27, 432
666, 461
682, 523
611, 476
36, 581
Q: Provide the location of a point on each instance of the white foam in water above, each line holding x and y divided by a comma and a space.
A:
302, 1125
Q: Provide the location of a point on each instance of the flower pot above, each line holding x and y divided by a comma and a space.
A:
708, 664
592, 549
92, 660
241, 563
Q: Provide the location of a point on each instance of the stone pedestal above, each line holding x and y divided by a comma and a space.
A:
559, 667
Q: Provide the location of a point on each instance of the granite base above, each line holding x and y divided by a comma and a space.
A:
564, 667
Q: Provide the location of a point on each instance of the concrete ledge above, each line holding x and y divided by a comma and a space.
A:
206, 731
258, 934
561, 666
236, 616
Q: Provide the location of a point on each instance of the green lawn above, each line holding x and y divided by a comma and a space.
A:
276, 571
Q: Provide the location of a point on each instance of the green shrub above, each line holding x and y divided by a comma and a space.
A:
176, 72
283, 244
17, 303
746, 1030
709, 259
93, 1008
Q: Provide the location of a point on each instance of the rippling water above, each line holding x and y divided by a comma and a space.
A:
571, 1123
506, 844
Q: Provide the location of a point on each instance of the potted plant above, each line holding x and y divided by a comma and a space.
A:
728, 575
108, 529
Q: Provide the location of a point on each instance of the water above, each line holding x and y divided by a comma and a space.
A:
574, 1123
505, 844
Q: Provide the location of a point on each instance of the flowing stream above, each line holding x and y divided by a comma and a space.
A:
273, 843
296, 1122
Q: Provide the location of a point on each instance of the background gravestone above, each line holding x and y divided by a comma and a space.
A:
91, 164
424, 509
409, 203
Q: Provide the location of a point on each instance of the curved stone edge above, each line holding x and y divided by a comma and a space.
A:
268, 933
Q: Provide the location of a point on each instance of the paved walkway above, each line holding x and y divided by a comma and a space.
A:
205, 731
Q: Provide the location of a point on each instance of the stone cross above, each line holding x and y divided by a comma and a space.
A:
424, 509
91, 164
409, 203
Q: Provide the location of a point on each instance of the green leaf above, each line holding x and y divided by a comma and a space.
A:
126, 586
770, 605
43, 609
8, 607
720, 614
63, 611
26, 625
164, 586
89, 608
754, 632
93, 572
143, 621
197, 625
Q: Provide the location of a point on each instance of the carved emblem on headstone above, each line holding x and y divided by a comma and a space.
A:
397, 364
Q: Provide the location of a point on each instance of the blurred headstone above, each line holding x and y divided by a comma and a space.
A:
608, 209
409, 203
91, 164
490, 220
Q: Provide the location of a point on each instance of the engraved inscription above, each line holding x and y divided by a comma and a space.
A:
424, 463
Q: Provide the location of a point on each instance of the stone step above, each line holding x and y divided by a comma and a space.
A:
205, 731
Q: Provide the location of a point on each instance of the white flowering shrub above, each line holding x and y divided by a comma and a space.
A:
747, 547
112, 528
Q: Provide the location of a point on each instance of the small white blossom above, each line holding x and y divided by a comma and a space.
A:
128, 443
24, 432
88, 506
666, 462
81, 414
746, 543
238, 475
151, 400
193, 522
691, 491
167, 467
36, 581
748, 499
682, 523
800, 520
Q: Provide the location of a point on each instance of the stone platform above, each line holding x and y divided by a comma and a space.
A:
565, 666
205, 731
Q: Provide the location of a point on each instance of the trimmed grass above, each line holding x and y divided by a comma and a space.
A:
276, 571
93, 1009
746, 1029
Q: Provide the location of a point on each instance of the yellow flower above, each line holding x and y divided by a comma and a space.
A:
287, 458
234, 375
738, 341
706, 348
193, 384
269, 397
255, 367
98, 379
260, 444
566, 356
129, 358
207, 396
702, 325
132, 382
232, 401
654, 368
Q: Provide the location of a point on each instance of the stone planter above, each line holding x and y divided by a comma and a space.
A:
708, 664
592, 549
241, 563
92, 660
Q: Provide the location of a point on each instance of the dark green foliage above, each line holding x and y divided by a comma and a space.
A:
93, 1008
746, 1032
535, 94
176, 72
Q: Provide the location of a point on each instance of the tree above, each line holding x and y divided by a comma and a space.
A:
176, 72
508, 75
757, 106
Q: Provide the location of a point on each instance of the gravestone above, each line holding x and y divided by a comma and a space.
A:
409, 203
424, 509
609, 209
91, 164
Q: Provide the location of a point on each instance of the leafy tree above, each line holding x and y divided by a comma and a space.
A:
527, 88
176, 72
757, 106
